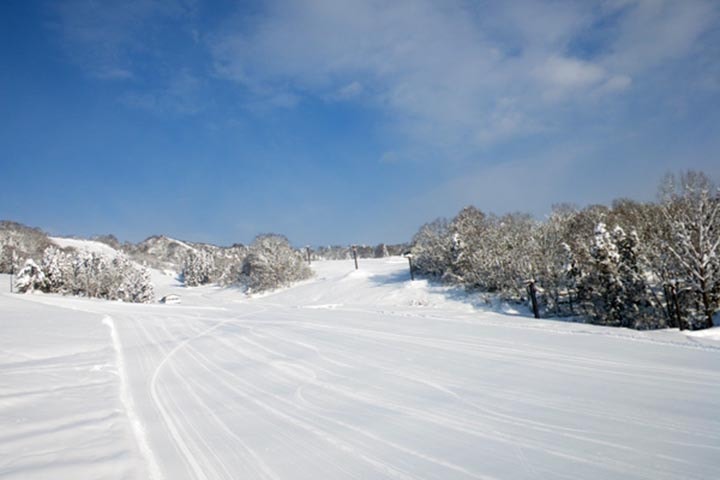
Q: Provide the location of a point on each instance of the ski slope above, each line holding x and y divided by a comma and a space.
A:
83, 245
350, 375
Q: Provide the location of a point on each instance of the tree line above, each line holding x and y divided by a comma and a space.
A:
86, 274
268, 263
640, 265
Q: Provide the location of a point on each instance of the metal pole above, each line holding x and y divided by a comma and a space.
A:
412, 273
308, 253
354, 252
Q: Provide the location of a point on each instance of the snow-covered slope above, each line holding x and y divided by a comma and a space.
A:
61, 412
353, 374
83, 245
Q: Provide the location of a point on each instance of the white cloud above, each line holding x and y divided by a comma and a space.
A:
568, 73
439, 68
457, 76
652, 32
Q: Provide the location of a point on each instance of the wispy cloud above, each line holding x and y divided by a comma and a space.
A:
184, 94
459, 73
105, 38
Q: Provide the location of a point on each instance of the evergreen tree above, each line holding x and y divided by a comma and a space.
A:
198, 268
602, 287
57, 266
30, 278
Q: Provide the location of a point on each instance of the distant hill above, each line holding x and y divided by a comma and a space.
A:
158, 251
21, 242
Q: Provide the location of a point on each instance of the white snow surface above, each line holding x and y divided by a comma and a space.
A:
82, 245
352, 374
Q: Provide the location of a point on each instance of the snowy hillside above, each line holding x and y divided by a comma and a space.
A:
352, 374
82, 245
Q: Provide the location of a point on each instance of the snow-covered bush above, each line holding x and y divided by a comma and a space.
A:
272, 263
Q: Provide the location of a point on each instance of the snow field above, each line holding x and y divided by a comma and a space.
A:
352, 374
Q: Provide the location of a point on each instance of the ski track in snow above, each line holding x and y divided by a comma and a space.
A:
345, 377
127, 401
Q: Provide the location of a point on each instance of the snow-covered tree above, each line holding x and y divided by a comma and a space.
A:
509, 251
691, 206
30, 278
133, 282
198, 268
467, 233
431, 248
89, 274
639, 309
601, 288
57, 266
553, 264
272, 263
614, 288
21, 243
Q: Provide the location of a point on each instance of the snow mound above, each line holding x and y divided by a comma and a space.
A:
707, 334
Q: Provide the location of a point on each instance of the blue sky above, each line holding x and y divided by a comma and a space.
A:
338, 121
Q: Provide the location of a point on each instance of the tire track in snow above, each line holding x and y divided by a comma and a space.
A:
456, 423
262, 469
188, 430
293, 373
170, 422
127, 401
295, 420
185, 430
379, 366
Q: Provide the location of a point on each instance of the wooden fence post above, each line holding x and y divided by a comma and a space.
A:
533, 298
676, 306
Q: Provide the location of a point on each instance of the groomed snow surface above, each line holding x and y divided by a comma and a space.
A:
351, 375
